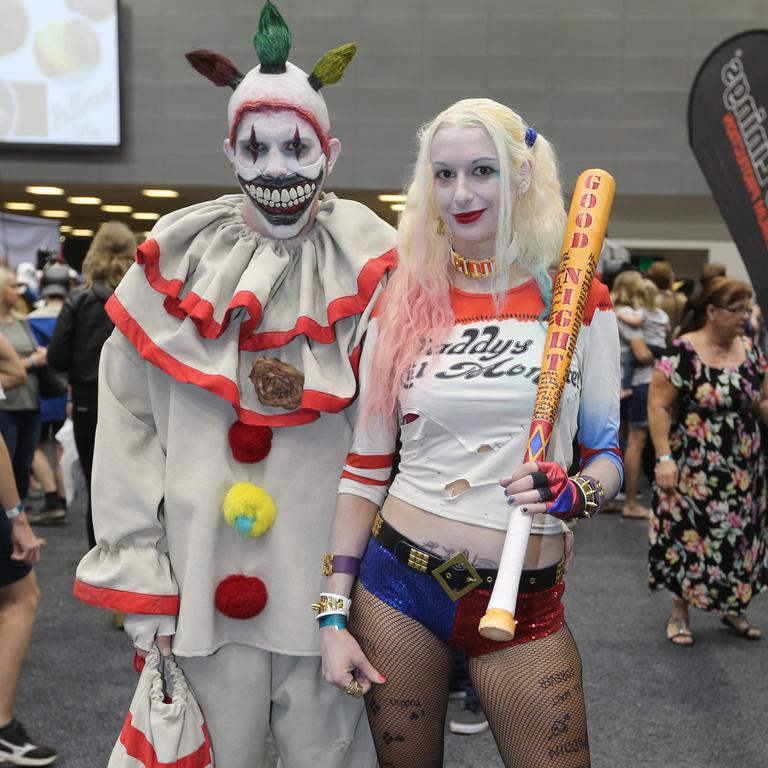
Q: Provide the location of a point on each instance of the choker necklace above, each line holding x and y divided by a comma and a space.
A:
472, 268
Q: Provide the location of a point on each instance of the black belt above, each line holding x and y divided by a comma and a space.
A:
457, 576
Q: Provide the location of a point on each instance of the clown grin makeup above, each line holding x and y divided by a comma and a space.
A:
281, 201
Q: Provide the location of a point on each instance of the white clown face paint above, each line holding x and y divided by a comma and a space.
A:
467, 186
281, 167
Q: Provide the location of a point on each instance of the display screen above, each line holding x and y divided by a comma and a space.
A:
59, 73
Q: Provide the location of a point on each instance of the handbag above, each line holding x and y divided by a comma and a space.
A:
49, 383
163, 730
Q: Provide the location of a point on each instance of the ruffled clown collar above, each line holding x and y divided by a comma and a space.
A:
210, 299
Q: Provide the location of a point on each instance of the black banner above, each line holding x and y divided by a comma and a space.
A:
727, 112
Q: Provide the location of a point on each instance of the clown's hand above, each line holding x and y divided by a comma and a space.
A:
147, 628
544, 487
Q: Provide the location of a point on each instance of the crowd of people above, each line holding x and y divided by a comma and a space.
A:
51, 333
236, 344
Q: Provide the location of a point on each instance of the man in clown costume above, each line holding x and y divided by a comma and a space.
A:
222, 425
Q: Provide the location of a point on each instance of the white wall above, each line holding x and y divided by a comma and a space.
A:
606, 80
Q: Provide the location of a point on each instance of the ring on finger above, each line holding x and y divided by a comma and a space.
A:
354, 689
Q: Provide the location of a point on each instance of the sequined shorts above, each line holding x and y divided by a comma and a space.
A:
421, 597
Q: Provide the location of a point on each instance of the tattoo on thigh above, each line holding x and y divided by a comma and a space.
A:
571, 747
373, 706
414, 705
389, 738
559, 727
563, 676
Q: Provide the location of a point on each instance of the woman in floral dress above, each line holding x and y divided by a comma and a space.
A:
708, 529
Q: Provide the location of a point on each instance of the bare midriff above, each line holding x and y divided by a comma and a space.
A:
482, 546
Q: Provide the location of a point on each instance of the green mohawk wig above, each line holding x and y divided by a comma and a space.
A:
330, 66
272, 41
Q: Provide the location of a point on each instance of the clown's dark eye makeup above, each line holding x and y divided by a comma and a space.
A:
253, 146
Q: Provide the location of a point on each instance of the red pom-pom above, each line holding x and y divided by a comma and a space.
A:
249, 444
241, 597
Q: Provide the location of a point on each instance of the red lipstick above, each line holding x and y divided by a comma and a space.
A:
469, 217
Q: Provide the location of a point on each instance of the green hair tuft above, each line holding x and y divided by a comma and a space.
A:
330, 66
272, 40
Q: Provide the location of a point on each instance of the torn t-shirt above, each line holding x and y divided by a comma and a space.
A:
465, 413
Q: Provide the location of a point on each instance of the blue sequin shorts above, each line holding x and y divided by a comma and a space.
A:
420, 596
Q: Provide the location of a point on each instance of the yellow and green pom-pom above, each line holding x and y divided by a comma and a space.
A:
249, 509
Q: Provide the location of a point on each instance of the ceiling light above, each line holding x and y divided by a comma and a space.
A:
81, 232
159, 193
44, 190
55, 214
19, 206
117, 208
65, 228
392, 198
145, 216
397, 206
84, 200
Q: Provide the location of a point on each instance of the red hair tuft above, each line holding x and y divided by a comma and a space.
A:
217, 68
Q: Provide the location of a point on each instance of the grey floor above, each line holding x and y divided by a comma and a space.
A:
649, 703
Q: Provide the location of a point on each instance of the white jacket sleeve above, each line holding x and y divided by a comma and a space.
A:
368, 467
129, 569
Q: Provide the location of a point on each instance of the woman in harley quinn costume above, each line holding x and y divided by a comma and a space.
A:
451, 363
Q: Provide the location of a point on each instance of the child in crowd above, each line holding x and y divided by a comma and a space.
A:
644, 314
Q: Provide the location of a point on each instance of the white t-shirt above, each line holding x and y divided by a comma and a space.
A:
464, 417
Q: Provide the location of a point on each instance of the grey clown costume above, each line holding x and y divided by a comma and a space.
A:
222, 432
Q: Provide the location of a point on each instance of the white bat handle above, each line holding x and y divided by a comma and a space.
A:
499, 622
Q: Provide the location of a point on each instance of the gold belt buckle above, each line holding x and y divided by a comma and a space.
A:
443, 575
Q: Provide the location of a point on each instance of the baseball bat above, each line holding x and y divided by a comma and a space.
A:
583, 239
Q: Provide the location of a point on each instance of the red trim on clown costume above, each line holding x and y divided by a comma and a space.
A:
201, 311
312, 401
139, 748
361, 479
130, 602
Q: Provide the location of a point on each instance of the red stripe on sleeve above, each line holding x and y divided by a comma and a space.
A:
364, 480
361, 461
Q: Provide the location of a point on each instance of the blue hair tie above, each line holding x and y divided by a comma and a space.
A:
530, 136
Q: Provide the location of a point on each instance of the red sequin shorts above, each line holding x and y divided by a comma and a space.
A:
420, 596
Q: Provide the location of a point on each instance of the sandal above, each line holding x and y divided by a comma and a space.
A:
678, 631
746, 630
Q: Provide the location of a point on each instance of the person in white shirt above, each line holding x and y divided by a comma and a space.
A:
450, 365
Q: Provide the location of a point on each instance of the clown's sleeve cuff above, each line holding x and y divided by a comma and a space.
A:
102, 576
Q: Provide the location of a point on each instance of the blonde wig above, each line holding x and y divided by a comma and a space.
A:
416, 308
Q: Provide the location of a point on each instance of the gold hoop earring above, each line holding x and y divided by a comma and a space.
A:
440, 229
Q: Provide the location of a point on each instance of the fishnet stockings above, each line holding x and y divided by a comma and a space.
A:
407, 713
531, 693
532, 696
